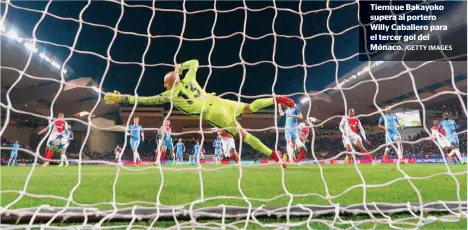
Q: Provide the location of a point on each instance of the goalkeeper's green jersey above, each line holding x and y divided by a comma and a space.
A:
187, 95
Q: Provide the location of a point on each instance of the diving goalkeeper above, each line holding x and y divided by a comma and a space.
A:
191, 99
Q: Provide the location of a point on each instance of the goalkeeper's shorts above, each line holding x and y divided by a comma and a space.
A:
222, 113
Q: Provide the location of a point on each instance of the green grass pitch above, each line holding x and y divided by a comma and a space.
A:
182, 186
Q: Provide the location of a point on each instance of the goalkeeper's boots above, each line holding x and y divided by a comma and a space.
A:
45, 164
286, 101
67, 164
60, 165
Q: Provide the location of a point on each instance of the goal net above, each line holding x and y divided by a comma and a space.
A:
292, 48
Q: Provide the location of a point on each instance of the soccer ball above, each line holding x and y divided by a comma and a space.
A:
58, 142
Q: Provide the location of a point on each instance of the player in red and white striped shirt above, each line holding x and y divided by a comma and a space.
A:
229, 146
303, 134
441, 138
118, 154
348, 126
59, 127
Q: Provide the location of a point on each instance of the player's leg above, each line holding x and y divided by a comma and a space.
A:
13, 162
231, 150
397, 139
62, 158
265, 102
302, 150
288, 156
361, 148
349, 150
455, 142
136, 156
388, 142
11, 158
348, 147
47, 154
346, 159
221, 114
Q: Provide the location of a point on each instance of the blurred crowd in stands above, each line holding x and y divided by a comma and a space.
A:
324, 147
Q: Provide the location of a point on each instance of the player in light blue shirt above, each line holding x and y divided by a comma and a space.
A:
136, 136
167, 144
389, 122
218, 146
14, 153
291, 132
450, 128
180, 149
197, 152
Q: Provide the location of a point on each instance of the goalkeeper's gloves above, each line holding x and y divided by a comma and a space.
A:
179, 69
115, 98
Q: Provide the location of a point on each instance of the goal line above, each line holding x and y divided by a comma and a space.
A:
78, 214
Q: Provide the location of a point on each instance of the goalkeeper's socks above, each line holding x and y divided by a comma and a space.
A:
261, 103
257, 144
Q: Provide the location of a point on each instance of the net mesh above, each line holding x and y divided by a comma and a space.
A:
89, 216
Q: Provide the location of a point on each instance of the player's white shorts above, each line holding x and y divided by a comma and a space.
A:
351, 139
299, 143
228, 145
118, 155
444, 142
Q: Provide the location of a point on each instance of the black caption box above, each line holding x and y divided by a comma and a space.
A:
412, 30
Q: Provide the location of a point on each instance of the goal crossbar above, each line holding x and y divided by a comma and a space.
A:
78, 214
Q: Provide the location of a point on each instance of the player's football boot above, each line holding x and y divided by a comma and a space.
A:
60, 165
67, 164
45, 164
276, 156
286, 101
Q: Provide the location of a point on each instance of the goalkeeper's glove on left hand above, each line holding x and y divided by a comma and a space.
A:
179, 69
115, 98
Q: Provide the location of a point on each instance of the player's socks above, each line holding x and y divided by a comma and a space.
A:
451, 159
235, 157
261, 103
385, 157
257, 144
399, 151
459, 156
369, 158
301, 156
163, 156
49, 154
452, 152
